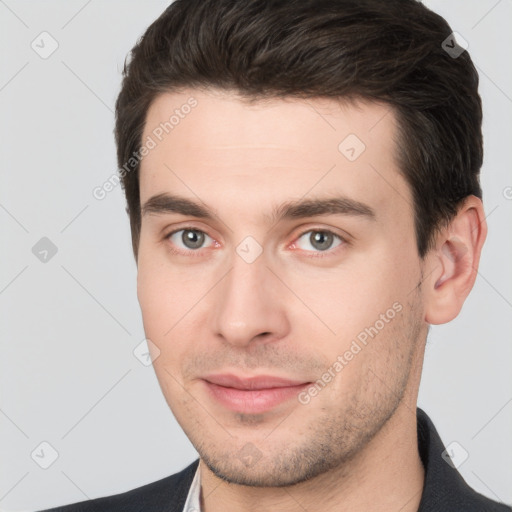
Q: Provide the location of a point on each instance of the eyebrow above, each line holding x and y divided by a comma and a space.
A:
165, 203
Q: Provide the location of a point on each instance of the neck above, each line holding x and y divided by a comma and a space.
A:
387, 475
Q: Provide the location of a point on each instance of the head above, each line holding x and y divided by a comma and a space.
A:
304, 202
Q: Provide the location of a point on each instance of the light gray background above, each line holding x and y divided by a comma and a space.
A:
70, 325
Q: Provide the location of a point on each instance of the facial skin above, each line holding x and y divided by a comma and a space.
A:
299, 306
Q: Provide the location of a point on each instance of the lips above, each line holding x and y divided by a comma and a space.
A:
252, 395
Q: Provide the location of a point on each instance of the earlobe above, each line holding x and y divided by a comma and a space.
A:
453, 264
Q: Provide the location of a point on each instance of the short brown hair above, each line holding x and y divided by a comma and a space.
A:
391, 51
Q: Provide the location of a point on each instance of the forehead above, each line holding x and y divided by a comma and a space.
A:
218, 118
216, 145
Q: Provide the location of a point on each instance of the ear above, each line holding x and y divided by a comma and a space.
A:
452, 265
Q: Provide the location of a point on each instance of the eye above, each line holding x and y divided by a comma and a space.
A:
320, 240
188, 239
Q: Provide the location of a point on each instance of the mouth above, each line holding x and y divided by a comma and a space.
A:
252, 395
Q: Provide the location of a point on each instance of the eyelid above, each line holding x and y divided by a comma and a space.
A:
187, 252
313, 254
327, 252
187, 227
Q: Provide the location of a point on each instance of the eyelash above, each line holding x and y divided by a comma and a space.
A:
315, 254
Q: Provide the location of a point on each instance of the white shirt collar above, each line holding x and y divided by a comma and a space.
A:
193, 503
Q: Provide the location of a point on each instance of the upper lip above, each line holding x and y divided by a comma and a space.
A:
251, 383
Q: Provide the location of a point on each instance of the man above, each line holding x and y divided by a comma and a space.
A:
302, 186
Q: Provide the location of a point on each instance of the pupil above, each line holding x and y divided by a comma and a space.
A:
321, 240
192, 239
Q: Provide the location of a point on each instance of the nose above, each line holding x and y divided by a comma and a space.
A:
250, 305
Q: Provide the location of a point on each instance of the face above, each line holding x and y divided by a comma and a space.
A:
278, 279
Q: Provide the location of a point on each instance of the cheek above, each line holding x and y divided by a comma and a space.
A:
375, 362
161, 310
367, 300
152, 296
348, 299
169, 301
160, 298
162, 291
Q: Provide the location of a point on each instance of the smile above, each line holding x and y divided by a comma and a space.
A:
254, 395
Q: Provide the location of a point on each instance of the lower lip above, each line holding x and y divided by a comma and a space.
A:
253, 401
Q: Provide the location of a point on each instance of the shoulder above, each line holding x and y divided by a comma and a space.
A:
445, 489
467, 500
169, 494
480, 503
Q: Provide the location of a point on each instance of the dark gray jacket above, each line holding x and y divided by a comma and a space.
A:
444, 490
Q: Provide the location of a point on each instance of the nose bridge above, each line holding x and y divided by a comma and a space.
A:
246, 303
